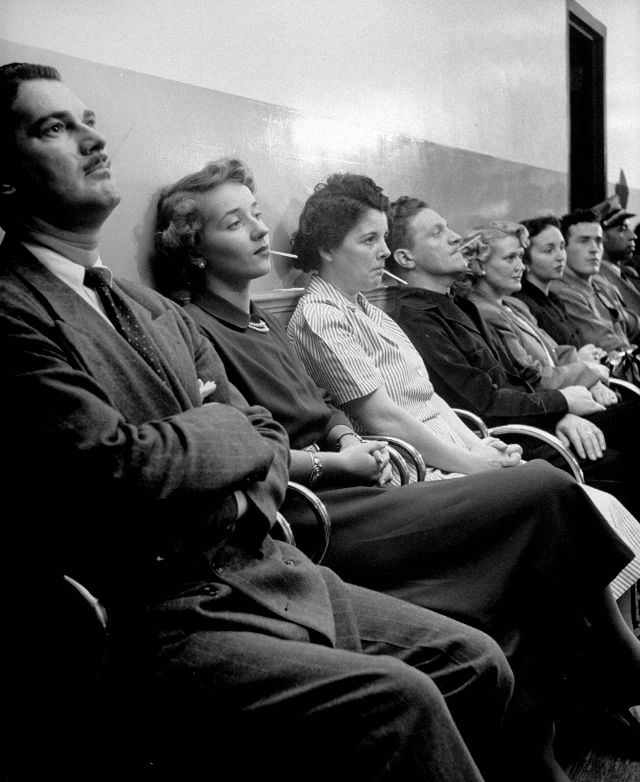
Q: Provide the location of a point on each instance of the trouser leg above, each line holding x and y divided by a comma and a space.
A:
280, 705
467, 666
359, 711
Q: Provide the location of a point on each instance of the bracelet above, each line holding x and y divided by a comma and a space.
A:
347, 434
316, 469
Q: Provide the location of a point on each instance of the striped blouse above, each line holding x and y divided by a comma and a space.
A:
352, 349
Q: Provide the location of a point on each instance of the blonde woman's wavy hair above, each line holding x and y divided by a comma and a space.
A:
483, 238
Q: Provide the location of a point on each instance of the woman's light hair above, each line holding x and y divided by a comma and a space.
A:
483, 238
179, 222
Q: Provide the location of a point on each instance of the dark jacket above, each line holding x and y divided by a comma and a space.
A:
549, 310
466, 368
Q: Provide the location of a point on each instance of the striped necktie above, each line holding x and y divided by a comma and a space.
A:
99, 279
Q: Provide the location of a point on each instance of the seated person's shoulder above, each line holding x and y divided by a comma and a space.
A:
158, 305
520, 307
565, 290
604, 282
145, 295
315, 314
490, 312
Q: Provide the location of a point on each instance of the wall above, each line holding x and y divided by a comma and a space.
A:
455, 72
622, 69
459, 102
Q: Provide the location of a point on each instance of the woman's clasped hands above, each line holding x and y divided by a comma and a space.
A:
497, 454
367, 462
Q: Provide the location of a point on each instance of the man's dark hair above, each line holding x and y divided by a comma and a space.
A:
11, 77
575, 217
401, 213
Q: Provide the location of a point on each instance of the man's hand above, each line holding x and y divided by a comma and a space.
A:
584, 437
580, 401
598, 369
591, 352
603, 395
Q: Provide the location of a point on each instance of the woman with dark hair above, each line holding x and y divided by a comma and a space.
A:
545, 259
502, 554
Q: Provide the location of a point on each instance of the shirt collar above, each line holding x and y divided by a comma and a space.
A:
570, 277
423, 299
66, 270
81, 248
222, 309
320, 287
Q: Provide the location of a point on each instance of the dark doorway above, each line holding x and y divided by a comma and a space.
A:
587, 165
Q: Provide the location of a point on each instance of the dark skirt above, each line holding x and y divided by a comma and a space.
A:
508, 551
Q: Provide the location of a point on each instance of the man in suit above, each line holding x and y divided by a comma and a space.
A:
139, 471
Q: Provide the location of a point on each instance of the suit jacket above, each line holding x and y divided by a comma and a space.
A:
467, 368
123, 480
596, 310
622, 281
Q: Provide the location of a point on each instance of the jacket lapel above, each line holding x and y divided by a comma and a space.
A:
97, 348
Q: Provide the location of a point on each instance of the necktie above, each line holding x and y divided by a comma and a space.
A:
99, 278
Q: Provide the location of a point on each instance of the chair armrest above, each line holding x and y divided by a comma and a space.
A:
90, 599
322, 517
408, 452
615, 382
471, 418
546, 437
400, 465
282, 530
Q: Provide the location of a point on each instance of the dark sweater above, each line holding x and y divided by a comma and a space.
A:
467, 368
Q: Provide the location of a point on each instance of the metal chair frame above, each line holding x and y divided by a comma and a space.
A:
409, 453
